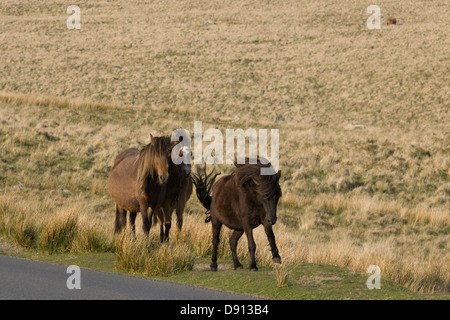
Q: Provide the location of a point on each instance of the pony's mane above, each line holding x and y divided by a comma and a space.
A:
265, 185
146, 160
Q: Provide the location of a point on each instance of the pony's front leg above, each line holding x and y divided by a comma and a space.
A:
159, 218
234, 238
146, 213
167, 222
251, 248
273, 246
179, 211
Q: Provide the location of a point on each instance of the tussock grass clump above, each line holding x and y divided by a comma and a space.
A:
281, 275
146, 255
58, 234
15, 223
91, 238
130, 253
26, 233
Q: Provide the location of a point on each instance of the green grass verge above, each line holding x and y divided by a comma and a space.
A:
303, 282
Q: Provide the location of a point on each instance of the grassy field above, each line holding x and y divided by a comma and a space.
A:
71, 100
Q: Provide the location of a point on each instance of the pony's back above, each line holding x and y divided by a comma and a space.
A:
131, 152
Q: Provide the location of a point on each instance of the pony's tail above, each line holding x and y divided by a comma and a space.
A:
203, 183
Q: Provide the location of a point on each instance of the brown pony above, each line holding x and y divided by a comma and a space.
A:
241, 201
179, 190
391, 21
138, 181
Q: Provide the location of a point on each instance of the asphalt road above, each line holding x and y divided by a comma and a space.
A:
34, 280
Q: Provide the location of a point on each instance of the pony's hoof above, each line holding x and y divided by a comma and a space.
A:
212, 268
254, 269
238, 266
276, 260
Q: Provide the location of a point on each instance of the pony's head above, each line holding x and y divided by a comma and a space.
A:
265, 188
154, 161
269, 192
181, 155
185, 154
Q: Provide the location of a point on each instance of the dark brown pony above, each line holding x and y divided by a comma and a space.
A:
138, 181
179, 190
242, 201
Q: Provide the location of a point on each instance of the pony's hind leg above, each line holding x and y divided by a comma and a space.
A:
133, 224
216, 226
234, 238
121, 219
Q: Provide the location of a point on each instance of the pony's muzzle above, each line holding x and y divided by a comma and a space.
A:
163, 179
186, 170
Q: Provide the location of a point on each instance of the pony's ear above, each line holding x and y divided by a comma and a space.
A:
152, 139
278, 175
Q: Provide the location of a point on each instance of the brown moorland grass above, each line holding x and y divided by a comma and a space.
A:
70, 100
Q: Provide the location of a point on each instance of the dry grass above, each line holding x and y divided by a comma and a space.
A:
60, 102
71, 100
413, 254
52, 228
147, 256
281, 275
